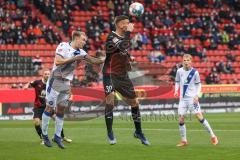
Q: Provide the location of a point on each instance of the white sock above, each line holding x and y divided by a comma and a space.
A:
208, 127
58, 125
45, 122
182, 129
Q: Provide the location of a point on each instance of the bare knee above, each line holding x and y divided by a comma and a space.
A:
181, 119
110, 99
133, 102
199, 116
60, 110
36, 121
48, 109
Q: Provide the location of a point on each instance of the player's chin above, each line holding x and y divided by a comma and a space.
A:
125, 29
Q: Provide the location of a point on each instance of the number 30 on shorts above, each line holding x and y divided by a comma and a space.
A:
109, 88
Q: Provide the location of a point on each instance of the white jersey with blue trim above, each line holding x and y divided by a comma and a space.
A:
66, 71
188, 81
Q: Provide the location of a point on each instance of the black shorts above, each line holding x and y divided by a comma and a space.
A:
119, 83
37, 113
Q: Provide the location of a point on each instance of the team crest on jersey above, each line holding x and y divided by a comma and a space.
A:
50, 102
60, 50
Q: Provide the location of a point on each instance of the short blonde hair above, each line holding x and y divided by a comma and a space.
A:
77, 34
45, 70
187, 56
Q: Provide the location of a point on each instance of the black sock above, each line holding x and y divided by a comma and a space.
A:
39, 130
136, 118
109, 117
62, 134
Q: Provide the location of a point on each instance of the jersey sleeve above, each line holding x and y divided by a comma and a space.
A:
110, 47
33, 83
177, 78
83, 53
114, 43
197, 78
61, 50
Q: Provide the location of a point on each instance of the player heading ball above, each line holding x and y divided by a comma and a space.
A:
115, 76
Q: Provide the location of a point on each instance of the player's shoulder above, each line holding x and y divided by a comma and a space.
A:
35, 82
111, 35
195, 70
180, 69
39, 81
82, 52
63, 45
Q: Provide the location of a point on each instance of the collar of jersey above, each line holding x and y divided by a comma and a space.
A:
188, 70
117, 34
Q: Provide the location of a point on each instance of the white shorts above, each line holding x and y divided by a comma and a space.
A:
186, 105
57, 92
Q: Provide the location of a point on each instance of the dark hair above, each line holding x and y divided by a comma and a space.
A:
120, 18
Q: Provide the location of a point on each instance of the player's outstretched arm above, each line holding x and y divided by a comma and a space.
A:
61, 61
26, 86
94, 60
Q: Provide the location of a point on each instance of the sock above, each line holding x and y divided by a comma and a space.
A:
62, 134
58, 124
46, 116
182, 129
109, 117
207, 126
38, 130
136, 118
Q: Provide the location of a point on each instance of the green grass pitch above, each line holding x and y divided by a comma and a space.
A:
18, 140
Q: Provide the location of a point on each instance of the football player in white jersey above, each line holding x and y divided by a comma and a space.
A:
188, 80
58, 85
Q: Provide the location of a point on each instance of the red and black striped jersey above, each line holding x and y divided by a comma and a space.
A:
40, 92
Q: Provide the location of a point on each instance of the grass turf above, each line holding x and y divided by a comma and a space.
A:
18, 140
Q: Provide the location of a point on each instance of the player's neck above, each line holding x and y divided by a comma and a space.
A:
73, 45
120, 32
187, 68
43, 80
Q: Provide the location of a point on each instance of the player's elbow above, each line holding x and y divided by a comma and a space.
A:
99, 61
57, 62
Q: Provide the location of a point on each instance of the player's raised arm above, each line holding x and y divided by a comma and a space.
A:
123, 31
26, 86
125, 42
94, 60
59, 60
29, 85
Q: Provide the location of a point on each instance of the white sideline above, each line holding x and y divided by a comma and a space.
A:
165, 129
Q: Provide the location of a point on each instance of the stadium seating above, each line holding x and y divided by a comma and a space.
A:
190, 13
